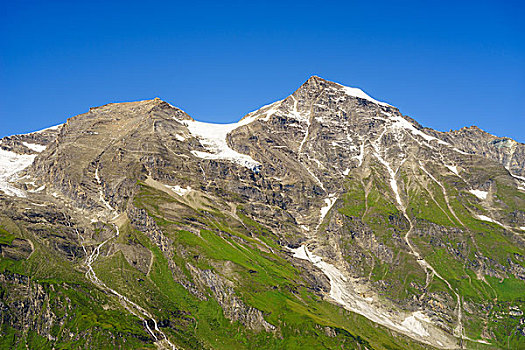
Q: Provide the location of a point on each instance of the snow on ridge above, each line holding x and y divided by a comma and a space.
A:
55, 127
356, 92
400, 122
480, 194
269, 110
10, 164
34, 147
266, 110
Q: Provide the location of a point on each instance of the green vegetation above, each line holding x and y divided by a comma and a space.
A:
209, 237
6, 237
96, 319
262, 279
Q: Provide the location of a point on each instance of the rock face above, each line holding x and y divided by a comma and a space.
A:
325, 219
509, 153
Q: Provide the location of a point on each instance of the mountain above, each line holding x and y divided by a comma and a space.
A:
325, 220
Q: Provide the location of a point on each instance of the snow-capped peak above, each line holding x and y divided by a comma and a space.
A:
356, 92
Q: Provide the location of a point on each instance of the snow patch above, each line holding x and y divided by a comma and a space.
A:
346, 172
480, 194
181, 191
34, 147
10, 164
361, 154
180, 137
213, 138
51, 128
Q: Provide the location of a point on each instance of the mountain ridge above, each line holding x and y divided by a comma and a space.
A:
332, 203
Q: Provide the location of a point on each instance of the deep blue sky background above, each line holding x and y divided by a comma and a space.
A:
447, 64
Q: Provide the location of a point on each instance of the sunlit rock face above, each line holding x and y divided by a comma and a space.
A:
325, 218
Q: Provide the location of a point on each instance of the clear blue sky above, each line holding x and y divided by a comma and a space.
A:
447, 64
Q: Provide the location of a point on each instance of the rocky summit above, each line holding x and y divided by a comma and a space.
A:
326, 220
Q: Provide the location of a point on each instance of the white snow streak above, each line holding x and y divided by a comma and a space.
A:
330, 201
41, 188
392, 173
486, 218
517, 177
453, 168
100, 193
361, 155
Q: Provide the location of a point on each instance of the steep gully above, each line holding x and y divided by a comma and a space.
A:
132, 307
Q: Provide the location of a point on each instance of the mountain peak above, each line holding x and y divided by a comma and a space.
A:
321, 83
327, 193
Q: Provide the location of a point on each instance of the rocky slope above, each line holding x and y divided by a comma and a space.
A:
324, 220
